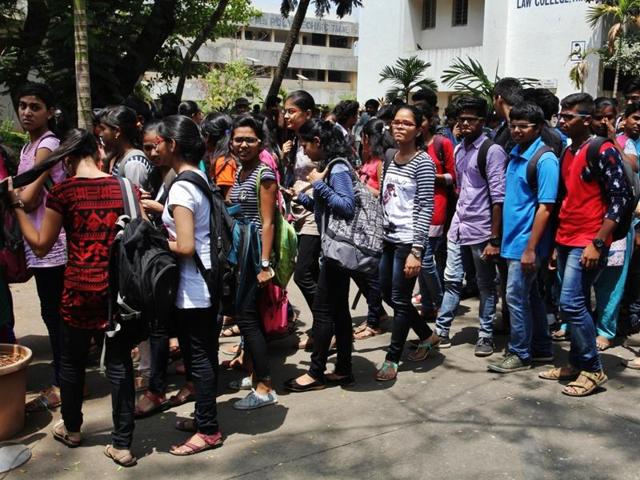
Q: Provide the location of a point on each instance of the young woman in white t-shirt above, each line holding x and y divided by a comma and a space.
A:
186, 217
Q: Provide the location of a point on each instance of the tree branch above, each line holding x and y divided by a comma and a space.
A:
204, 35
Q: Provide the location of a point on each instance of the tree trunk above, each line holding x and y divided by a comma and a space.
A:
616, 78
30, 41
159, 25
197, 42
83, 84
292, 39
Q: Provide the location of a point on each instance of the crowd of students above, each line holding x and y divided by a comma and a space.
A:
498, 200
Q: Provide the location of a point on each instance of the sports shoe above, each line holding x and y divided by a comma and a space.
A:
445, 342
510, 363
255, 400
484, 347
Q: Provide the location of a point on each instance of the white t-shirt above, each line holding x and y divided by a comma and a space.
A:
192, 289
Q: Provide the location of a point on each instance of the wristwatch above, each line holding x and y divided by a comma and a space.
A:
599, 244
495, 241
417, 252
265, 264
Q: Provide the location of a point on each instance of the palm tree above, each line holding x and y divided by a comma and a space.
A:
623, 13
469, 77
343, 7
83, 83
580, 70
406, 76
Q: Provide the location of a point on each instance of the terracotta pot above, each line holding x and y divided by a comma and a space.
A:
13, 385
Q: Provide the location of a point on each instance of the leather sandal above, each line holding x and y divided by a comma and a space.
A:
122, 457
185, 394
424, 349
48, 399
158, 403
560, 373
186, 425
364, 331
210, 442
388, 371
232, 331
585, 384
70, 439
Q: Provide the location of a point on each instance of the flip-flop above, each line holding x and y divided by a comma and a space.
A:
232, 331
633, 364
124, 458
159, 405
181, 398
211, 442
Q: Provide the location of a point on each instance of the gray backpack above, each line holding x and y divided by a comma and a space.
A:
355, 244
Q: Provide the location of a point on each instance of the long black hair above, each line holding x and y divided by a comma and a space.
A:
302, 99
216, 128
125, 119
186, 134
77, 143
378, 137
332, 140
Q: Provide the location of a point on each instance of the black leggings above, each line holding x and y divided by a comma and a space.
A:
49, 284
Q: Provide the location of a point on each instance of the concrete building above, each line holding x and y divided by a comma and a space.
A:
517, 38
323, 61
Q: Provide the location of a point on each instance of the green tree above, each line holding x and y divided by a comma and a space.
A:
83, 85
622, 14
406, 76
627, 56
223, 84
469, 78
343, 7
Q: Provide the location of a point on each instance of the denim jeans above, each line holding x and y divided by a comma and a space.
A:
397, 291
575, 307
73, 363
453, 276
252, 331
49, 284
369, 285
331, 316
529, 327
429, 278
198, 333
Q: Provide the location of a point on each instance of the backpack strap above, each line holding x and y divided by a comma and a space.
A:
481, 160
438, 145
48, 183
131, 204
532, 167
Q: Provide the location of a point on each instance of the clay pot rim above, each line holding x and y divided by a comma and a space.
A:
25, 353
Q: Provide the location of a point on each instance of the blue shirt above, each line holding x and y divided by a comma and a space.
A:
520, 202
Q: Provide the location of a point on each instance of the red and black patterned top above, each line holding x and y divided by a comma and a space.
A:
90, 208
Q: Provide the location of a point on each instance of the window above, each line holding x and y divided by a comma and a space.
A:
429, 14
315, 75
338, 42
257, 34
337, 76
460, 12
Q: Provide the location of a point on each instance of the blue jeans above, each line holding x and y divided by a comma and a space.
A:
529, 327
429, 279
575, 308
453, 276
397, 291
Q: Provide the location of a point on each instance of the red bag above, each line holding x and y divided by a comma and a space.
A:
273, 308
13, 261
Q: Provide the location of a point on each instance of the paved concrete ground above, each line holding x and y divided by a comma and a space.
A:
446, 417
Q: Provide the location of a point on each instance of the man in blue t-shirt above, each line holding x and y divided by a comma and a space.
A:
526, 240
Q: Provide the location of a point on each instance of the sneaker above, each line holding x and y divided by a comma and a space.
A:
242, 384
445, 342
542, 357
510, 363
255, 400
484, 347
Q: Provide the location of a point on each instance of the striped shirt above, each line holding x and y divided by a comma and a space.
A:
135, 167
245, 192
407, 199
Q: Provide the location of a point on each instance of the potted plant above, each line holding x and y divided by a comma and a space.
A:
14, 360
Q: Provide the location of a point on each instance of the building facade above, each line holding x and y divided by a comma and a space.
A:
323, 61
538, 39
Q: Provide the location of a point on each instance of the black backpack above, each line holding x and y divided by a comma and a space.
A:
220, 278
143, 273
633, 182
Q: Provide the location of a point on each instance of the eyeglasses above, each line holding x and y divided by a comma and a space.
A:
567, 117
520, 126
469, 120
402, 123
248, 140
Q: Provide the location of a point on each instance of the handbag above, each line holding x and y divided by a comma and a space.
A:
273, 308
13, 261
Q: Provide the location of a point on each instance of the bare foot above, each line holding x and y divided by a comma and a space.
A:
603, 343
